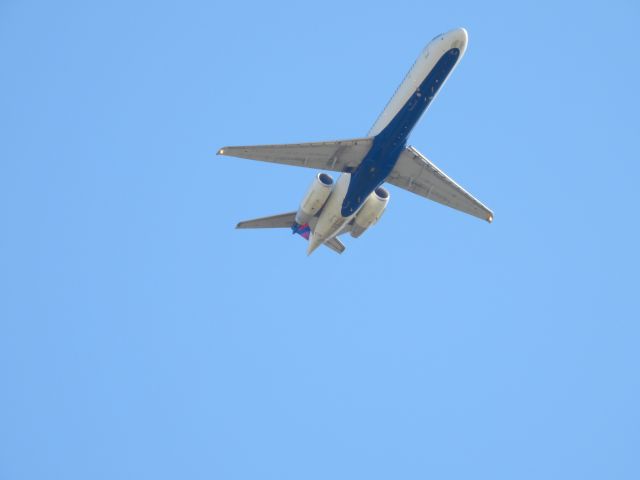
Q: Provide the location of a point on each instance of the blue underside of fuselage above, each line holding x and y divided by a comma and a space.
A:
390, 142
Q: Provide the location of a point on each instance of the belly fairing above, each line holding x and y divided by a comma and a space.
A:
391, 141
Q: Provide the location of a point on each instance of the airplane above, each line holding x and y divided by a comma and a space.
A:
357, 200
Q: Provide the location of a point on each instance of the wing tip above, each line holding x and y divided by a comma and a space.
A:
221, 151
490, 218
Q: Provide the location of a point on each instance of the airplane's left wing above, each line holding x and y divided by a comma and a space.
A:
337, 156
414, 172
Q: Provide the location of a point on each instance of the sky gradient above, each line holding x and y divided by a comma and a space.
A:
141, 336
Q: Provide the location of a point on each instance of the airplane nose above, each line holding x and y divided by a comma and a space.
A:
458, 35
456, 38
462, 32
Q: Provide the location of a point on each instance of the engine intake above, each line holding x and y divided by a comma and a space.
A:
371, 211
315, 198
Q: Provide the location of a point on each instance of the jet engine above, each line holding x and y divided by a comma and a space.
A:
370, 212
315, 198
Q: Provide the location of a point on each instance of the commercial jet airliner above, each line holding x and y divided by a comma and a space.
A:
357, 199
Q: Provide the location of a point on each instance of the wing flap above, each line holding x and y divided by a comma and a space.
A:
415, 173
337, 156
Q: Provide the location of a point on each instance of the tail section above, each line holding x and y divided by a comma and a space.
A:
303, 230
288, 220
335, 245
284, 220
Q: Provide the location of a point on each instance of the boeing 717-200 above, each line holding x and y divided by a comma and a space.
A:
357, 199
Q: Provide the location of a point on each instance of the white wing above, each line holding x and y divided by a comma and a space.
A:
337, 156
414, 172
284, 220
335, 245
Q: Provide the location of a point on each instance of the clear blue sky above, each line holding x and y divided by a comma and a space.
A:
141, 336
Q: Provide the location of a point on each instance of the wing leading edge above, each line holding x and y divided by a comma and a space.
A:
337, 156
414, 172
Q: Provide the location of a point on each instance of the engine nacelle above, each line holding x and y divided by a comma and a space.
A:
315, 198
370, 212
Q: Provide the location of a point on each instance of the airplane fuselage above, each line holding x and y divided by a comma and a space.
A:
390, 133
357, 199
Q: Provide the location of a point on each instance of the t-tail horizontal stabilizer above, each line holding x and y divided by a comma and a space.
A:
288, 220
284, 220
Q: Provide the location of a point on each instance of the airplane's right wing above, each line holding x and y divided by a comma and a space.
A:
414, 172
337, 156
